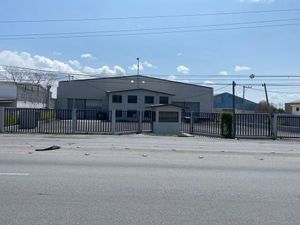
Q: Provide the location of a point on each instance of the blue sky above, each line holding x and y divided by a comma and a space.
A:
180, 56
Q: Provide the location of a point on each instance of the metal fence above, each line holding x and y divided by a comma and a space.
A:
288, 126
127, 121
64, 121
93, 121
18, 120
206, 124
253, 125
58, 121
186, 125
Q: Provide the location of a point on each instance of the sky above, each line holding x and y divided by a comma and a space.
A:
195, 56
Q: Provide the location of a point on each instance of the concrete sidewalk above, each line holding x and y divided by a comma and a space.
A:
18, 143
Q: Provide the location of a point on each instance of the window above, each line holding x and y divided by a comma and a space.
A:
132, 99
168, 117
163, 100
117, 98
119, 113
93, 104
131, 113
149, 99
297, 109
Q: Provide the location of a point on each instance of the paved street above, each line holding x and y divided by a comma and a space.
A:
166, 185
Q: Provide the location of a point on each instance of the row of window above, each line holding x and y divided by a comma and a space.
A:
133, 99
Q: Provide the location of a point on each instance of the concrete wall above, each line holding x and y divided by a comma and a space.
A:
26, 104
22, 95
167, 127
97, 88
295, 109
8, 90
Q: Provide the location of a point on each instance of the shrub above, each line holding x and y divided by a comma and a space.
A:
11, 120
47, 116
226, 125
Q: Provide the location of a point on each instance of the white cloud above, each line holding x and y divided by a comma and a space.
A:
143, 65
207, 82
183, 69
223, 73
257, 1
134, 67
105, 70
179, 54
25, 59
148, 65
75, 63
172, 77
242, 68
87, 56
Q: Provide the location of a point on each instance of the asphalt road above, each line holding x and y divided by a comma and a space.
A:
63, 188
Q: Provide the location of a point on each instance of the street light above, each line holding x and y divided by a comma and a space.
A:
138, 65
252, 76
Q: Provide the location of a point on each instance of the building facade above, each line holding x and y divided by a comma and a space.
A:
132, 93
293, 107
24, 95
224, 103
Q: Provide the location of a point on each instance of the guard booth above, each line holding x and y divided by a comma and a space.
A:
167, 119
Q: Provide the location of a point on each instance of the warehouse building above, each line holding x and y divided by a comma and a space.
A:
132, 93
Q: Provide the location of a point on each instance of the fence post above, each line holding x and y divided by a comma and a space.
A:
191, 130
2, 119
74, 121
140, 114
113, 121
275, 126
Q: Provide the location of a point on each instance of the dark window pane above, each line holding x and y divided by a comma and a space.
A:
132, 99
149, 99
169, 117
131, 113
119, 113
163, 100
117, 98
93, 104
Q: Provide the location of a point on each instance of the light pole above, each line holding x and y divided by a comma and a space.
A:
138, 65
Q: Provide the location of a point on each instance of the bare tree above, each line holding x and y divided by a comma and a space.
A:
263, 107
37, 77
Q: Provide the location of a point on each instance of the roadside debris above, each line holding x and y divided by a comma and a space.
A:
201, 157
86, 154
53, 147
145, 155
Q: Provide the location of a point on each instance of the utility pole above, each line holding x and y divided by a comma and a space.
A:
233, 97
233, 109
266, 93
244, 91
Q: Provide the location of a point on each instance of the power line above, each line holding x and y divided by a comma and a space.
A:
277, 92
147, 17
147, 33
147, 29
